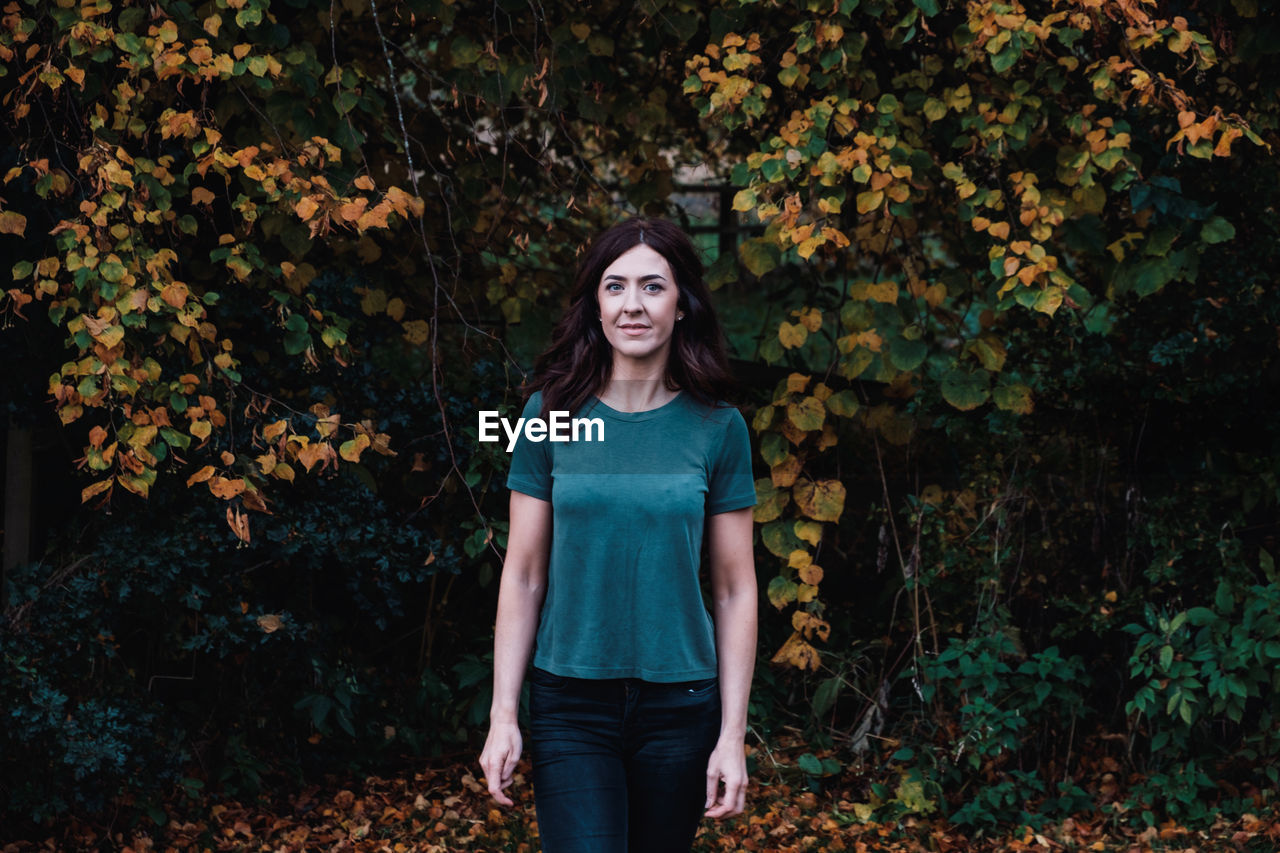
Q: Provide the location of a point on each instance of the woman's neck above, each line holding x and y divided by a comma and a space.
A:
636, 394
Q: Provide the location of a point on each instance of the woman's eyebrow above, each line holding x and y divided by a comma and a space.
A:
649, 277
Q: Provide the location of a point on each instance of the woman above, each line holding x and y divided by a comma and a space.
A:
638, 701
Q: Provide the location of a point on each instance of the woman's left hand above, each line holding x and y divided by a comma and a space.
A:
727, 769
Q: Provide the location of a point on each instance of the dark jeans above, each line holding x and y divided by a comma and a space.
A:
620, 764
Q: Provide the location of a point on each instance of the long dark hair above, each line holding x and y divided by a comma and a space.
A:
579, 360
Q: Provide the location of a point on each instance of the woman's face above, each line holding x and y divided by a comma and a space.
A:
638, 299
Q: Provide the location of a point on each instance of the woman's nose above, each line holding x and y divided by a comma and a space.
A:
632, 302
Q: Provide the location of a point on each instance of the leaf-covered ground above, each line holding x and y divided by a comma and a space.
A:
448, 809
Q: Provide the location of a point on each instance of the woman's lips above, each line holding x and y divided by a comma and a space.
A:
634, 330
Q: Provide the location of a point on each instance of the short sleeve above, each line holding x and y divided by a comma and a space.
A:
530, 471
731, 485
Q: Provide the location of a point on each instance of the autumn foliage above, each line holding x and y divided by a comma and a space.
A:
998, 277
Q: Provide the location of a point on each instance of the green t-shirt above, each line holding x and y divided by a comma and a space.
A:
623, 595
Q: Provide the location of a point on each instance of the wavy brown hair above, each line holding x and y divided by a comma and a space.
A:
579, 360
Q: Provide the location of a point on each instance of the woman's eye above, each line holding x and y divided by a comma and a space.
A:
653, 288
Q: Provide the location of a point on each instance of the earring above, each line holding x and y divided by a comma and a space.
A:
679, 316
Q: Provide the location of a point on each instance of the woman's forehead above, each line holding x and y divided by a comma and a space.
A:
637, 262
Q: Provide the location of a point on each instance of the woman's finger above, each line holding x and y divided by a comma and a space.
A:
713, 787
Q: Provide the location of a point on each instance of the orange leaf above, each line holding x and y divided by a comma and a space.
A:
271, 431
305, 208
225, 488
200, 476
239, 524
175, 294
96, 489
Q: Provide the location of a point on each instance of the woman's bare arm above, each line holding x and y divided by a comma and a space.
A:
520, 595
733, 587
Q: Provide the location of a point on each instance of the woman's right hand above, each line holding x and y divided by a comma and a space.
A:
501, 752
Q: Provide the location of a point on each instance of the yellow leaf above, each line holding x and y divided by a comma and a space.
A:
796, 652
799, 558
797, 382
807, 624
812, 319
269, 623
792, 335
811, 574
271, 431
785, 472
870, 200
351, 450
882, 291
417, 331
934, 294
809, 531
97, 488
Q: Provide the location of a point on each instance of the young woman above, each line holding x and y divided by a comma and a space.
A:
638, 699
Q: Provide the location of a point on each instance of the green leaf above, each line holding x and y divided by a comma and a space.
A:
810, 764
907, 355
782, 591
774, 448
333, 336
1013, 398
1217, 230
111, 271
807, 415
1007, 58
843, 404
759, 255
824, 698
965, 390
345, 101
822, 500
464, 51
296, 343
780, 538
